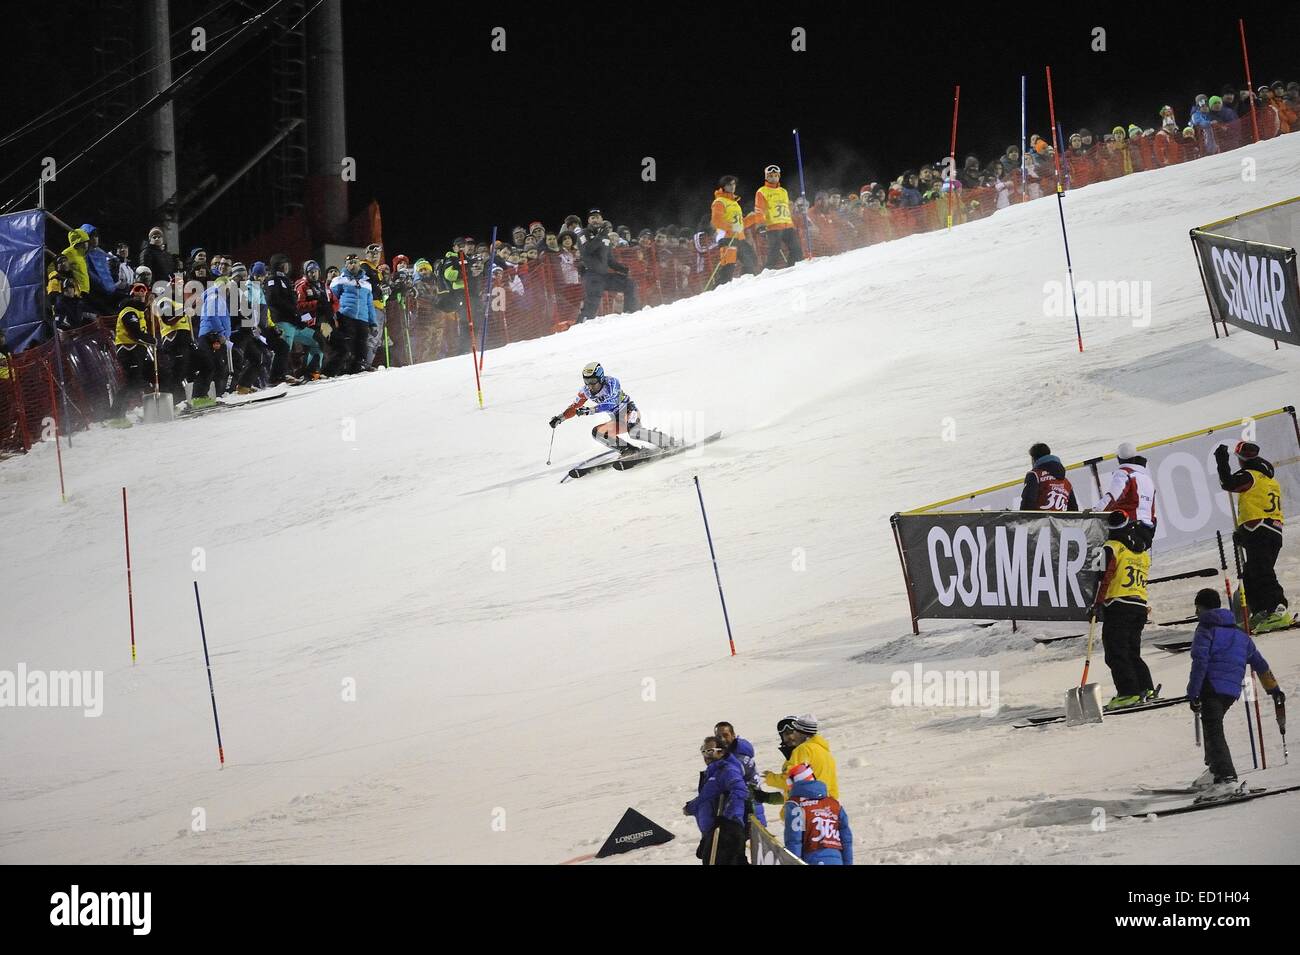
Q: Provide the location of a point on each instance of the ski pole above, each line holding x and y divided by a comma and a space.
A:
1196, 724
130, 597
550, 449
714, 557
1250, 727
1259, 721
1279, 710
221, 753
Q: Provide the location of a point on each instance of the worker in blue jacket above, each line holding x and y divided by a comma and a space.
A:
719, 809
1220, 653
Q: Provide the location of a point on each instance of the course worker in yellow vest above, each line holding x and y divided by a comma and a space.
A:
772, 210
728, 223
1258, 532
1122, 602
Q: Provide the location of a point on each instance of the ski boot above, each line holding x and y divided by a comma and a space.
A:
1150, 696
1276, 620
1122, 703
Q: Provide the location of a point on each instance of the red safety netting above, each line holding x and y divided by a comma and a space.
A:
544, 295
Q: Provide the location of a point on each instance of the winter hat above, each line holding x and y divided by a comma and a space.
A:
1126, 451
1216, 102
800, 774
1247, 450
399, 261
309, 265
196, 250
1134, 130
238, 267
423, 265
1208, 599
807, 724
259, 269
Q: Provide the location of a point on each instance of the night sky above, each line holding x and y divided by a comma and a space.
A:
452, 138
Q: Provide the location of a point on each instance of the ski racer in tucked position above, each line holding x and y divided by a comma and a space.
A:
606, 395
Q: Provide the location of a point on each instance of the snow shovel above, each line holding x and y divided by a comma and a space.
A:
1083, 702
157, 406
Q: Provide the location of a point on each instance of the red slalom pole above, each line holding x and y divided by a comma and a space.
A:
952, 151
58, 448
1060, 207
469, 315
1250, 85
130, 598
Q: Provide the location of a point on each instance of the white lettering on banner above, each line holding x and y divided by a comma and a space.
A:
959, 567
1043, 569
938, 535
1193, 485
965, 571
1255, 289
986, 599
1013, 566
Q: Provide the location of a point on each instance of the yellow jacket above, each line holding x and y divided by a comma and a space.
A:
78, 260
816, 752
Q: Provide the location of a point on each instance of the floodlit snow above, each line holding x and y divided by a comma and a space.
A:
530, 659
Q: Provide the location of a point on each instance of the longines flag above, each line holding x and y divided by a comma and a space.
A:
1250, 285
634, 831
1002, 565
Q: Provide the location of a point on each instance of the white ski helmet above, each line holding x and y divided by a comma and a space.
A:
593, 376
772, 170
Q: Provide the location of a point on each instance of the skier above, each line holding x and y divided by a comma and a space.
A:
719, 807
1122, 605
1258, 533
1220, 653
743, 750
1132, 491
1046, 486
608, 397
816, 825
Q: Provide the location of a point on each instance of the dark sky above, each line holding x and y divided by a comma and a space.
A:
563, 118
452, 137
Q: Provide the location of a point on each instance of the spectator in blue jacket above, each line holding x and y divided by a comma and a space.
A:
743, 750
103, 287
719, 809
1202, 120
214, 328
356, 312
1220, 653
816, 825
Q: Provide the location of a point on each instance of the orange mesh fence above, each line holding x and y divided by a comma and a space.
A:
544, 295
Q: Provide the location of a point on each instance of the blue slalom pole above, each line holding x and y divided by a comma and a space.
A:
714, 557
1022, 137
803, 192
221, 753
1065, 153
487, 297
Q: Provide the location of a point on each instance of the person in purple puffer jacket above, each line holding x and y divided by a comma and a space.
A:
743, 750
719, 809
1220, 653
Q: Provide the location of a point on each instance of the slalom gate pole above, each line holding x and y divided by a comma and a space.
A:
1022, 138
58, 448
221, 753
406, 329
714, 557
1223, 560
130, 597
1250, 727
952, 151
63, 383
803, 194
1250, 85
487, 299
469, 315
1060, 206
1259, 721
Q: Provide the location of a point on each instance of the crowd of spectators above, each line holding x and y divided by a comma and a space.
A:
206, 325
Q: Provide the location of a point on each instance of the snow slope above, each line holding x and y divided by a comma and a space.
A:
530, 659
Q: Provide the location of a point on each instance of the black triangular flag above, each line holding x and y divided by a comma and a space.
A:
632, 832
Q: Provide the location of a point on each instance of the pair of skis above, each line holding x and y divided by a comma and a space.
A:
1243, 794
623, 462
1058, 716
